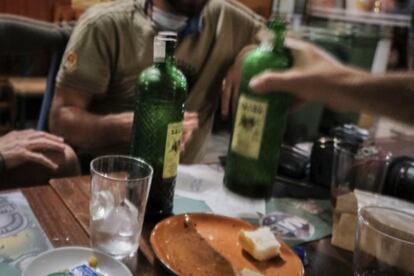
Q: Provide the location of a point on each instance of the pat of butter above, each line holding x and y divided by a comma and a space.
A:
261, 243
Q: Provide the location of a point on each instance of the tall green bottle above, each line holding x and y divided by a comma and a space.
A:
157, 128
260, 121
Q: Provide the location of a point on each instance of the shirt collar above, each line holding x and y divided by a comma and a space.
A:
194, 24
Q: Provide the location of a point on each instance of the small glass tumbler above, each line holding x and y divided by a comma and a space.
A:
119, 193
342, 176
384, 243
371, 166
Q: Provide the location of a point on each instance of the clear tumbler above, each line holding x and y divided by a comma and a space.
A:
384, 243
119, 192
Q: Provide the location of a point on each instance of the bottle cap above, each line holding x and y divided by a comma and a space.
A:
168, 35
160, 42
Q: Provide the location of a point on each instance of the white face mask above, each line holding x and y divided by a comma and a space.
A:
168, 21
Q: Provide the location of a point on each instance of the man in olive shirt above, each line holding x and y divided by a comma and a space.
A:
113, 43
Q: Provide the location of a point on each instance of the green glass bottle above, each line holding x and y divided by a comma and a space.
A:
157, 128
260, 121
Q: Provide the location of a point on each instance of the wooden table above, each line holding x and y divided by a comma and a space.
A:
62, 209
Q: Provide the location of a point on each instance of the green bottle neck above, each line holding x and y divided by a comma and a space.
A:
278, 27
278, 42
168, 62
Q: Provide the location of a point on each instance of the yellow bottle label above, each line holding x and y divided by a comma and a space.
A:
249, 126
172, 149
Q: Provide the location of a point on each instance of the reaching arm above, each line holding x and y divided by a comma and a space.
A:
318, 77
70, 118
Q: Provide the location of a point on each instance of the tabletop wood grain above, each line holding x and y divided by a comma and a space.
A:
56, 220
75, 194
324, 259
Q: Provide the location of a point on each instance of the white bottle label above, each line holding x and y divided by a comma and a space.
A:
249, 127
172, 149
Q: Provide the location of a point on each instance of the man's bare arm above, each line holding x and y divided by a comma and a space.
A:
70, 118
391, 95
318, 77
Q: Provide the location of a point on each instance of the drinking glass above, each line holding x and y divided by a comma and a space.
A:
119, 192
366, 170
371, 166
384, 242
342, 175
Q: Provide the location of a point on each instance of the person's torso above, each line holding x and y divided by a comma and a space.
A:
203, 57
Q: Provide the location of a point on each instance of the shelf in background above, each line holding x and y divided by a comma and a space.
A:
384, 19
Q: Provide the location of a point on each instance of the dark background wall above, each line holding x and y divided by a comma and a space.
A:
37, 9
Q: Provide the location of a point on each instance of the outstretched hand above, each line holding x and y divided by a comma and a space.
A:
18, 147
314, 77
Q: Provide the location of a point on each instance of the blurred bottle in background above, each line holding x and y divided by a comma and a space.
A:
399, 181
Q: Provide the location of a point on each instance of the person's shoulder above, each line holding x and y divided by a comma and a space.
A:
108, 13
235, 9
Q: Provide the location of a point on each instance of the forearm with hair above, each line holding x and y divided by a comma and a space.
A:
88, 131
391, 95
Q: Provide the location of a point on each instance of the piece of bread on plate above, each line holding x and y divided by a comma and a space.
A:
261, 243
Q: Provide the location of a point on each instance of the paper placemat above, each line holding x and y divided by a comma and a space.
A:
21, 236
200, 188
299, 221
184, 205
205, 183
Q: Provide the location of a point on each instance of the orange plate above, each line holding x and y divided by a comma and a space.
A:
222, 234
